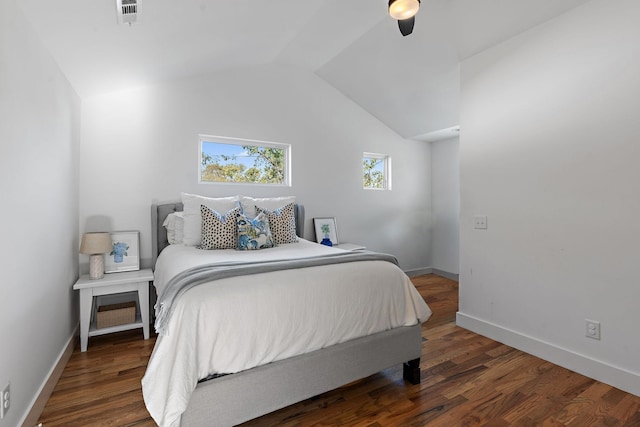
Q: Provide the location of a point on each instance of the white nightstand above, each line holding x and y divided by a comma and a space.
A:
350, 247
113, 283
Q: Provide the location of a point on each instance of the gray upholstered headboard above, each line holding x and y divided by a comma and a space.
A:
159, 233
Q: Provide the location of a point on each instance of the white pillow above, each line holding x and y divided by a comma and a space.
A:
179, 228
174, 223
270, 203
192, 230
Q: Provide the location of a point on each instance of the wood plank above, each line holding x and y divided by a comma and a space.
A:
467, 380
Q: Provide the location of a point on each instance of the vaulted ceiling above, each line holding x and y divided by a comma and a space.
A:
409, 83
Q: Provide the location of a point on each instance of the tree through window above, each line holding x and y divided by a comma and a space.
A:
376, 171
233, 160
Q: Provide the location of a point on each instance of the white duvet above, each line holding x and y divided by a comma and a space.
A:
237, 323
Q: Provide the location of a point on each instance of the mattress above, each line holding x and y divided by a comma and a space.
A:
237, 323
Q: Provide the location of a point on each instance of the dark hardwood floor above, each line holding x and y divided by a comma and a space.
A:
467, 380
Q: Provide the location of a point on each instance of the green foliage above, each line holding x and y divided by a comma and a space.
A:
372, 178
215, 172
268, 166
269, 161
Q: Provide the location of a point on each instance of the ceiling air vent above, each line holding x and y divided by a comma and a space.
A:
128, 11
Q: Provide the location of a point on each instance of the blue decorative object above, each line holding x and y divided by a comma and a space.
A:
254, 233
326, 231
119, 251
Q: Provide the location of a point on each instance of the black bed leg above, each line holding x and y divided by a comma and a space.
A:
411, 371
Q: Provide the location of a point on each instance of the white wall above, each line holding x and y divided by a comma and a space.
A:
549, 152
445, 203
39, 134
141, 146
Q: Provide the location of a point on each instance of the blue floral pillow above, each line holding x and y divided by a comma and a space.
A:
254, 233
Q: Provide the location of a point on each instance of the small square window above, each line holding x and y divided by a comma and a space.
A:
376, 171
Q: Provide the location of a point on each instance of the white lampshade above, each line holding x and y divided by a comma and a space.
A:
96, 245
403, 9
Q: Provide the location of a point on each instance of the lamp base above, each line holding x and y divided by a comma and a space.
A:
96, 266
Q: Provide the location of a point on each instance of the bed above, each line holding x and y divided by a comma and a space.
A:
241, 395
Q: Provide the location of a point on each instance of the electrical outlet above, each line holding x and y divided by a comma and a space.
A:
592, 329
480, 222
5, 400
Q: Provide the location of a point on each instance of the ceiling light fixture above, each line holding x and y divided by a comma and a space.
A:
403, 9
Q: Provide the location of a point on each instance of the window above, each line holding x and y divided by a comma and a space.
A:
231, 160
376, 171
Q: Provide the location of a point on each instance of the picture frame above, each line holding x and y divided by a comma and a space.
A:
125, 255
326, 228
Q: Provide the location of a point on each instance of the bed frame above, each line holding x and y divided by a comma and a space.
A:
234, 399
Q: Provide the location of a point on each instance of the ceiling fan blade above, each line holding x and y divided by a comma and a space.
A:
406, 25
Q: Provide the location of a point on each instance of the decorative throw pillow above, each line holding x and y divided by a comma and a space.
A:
254, 233
283, 224
219, 231
192, 232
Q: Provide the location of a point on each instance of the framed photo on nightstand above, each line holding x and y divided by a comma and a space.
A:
125, 252
326, 230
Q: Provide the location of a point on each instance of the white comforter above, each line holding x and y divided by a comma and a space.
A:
237, 323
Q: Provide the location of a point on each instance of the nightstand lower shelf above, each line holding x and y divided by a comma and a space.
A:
95, 331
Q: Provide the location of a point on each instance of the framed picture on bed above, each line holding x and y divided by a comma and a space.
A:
326, 231
125, 252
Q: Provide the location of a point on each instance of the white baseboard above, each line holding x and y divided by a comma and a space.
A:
617, 377
40, 400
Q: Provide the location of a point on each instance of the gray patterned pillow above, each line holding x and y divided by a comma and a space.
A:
283, 223
219, 231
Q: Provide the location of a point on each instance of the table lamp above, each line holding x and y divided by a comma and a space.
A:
96, 245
